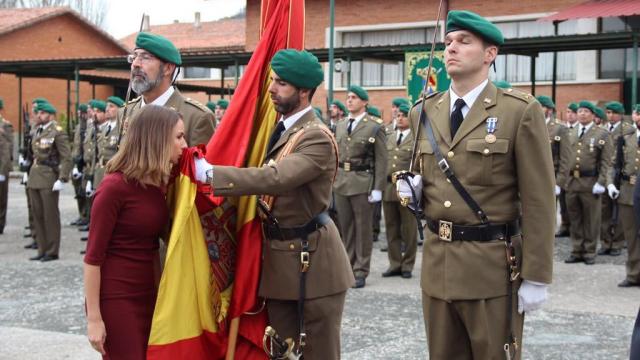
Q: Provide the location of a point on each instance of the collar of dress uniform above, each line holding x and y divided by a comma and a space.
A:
404, 133
587, 127
615, 126
162, 99
288, 122
469, 98
45, 126
356, 119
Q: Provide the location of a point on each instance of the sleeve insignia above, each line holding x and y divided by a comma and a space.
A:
601, 142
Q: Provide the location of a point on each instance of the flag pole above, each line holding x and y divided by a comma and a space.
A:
233, 338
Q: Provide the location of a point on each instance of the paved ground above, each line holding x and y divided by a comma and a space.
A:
41, 305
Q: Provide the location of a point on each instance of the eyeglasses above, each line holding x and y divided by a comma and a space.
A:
142, 57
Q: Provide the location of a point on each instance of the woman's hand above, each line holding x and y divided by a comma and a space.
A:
97, 335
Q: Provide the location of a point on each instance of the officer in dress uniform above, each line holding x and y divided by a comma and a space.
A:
48, 175
6, 164
493, 144
361, 179
337, 112
584, 170
77, 155
571, 114
401, 224
612, 243
300, 165
153, 69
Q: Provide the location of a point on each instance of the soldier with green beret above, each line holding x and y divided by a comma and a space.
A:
600, 116
295, 184
6, 164
154, 67
47, 176
98, 123
572, 115
494, 142
337, 112
361, 179
612, 234
630, 196
77, 155
377, 207
584, 174
395, 103
221, 108
211, 105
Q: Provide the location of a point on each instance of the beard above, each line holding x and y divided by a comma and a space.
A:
287, 105
144, 83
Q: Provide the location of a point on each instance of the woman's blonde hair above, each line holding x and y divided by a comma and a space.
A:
145, 154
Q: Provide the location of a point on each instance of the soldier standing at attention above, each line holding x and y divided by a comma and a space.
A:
77, 155
632, 185
6, 164
107, 138
612, 243
300, 165
337, 112
584, 171
49, 173
572, 115
220, 109
486, 184
360, 181
400, 223
154, 66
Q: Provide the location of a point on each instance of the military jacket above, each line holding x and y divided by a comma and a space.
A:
364, 147
510, 175
79, 135
630, 168
107, 139
6, 147
557, 133
591, 154
198, 120
89, 150
399, 158
51, 157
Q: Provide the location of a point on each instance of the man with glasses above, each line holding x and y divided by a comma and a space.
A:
154, 67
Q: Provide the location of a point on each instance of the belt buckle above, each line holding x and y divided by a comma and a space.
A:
576, 174
632, 179
347, 166
445, 230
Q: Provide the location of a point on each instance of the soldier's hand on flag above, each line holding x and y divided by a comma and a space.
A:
531, 296
613, 191
57, 186
202, 166
97, 335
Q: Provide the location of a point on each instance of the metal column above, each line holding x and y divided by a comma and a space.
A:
533, 75
634, 71
332, 5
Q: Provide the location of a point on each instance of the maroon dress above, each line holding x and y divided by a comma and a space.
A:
126, 223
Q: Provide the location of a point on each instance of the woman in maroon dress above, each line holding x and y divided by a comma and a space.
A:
129, 215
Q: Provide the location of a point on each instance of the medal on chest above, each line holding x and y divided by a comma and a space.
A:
592, 144
492, 122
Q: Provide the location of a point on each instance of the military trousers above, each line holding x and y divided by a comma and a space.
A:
81, 198
356, 214
377, 217
585, 212
30, 211
402, 230
564, 213
322, 323
470, 329
46, 220
630, 227
4, 196
607, 240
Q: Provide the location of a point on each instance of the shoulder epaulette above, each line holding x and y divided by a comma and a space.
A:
378, 120
526, 97
429, 96
197, 104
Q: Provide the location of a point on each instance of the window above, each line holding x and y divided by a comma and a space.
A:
197, 73
615, 63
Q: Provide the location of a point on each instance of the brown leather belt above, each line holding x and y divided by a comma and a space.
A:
448, 231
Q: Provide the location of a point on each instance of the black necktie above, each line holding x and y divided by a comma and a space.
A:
39, 131
611, 128
350, 125
584, 128
108, 130
399, 139
456, 116
275, 136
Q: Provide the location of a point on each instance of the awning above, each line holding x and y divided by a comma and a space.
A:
597, 9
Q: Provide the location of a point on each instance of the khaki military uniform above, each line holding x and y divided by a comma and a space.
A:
465, 291
362, 168
557, 134
89, 154
77, 155
52, 161
401, 224
583, 163
607, 240
6, 164
630, 171
107, 139
198, 119
301, 184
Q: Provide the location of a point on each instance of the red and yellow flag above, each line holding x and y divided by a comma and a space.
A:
213, 262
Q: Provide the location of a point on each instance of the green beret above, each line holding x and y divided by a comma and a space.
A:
340, 105
116, 101
636, 108
502, 84
211, 105
40, 100
573, 107
399, 101
46, 107
615, 106
1, 104
99, 105
318, 111
298, 68
82, 107
360, 92
587, 105
159, 46
600, 113
223, 103
373, 111
404, 108
467, 20
546, 101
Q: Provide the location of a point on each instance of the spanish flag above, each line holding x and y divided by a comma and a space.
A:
212, 268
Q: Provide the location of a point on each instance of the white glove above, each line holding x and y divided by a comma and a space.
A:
88, 190
75, 173
613, 191
201, 169
557, 190
404, 191
2, 178
21, 161
531, 296
598, 189
57, 186
25, 178
375, 196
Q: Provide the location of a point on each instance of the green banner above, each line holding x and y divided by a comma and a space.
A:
416, 64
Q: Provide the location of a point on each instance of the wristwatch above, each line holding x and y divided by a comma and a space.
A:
209, 174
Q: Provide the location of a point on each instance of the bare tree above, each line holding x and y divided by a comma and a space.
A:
93, 10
